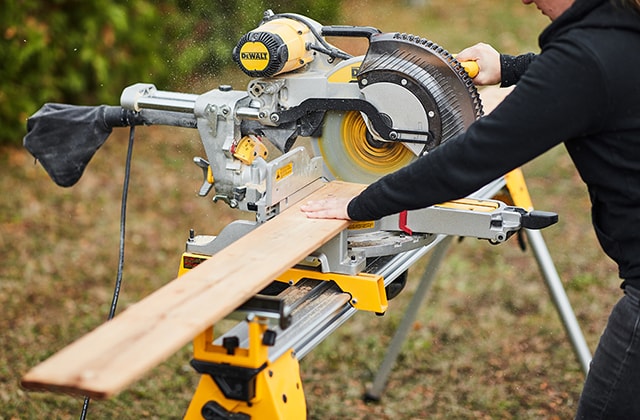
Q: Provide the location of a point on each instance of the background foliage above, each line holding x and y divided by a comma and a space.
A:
86, 52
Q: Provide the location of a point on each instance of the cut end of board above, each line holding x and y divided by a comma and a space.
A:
39, 386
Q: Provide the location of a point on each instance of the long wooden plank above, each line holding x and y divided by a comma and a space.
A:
111, 357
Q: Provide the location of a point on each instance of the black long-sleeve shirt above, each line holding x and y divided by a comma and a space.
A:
583, 90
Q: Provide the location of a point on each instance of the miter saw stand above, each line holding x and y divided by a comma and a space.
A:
253, 369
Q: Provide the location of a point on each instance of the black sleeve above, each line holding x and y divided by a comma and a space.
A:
541, 112
513, 67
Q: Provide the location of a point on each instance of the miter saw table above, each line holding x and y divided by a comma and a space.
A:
314, 113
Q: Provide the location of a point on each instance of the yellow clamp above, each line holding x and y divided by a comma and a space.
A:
249, 148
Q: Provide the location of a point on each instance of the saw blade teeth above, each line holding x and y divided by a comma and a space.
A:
438, 72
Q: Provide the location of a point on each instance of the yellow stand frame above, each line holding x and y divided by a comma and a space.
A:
242, 383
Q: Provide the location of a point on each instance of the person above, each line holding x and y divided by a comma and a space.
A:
583, 90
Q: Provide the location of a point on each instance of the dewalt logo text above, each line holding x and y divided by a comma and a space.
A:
254, 56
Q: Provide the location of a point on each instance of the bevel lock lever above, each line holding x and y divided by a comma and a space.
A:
207, 184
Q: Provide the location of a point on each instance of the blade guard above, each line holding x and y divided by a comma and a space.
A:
433, 75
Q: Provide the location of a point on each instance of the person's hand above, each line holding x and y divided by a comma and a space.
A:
488, 60
329, 208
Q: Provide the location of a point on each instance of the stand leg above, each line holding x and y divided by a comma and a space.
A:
374, 393
552, 280
559, 296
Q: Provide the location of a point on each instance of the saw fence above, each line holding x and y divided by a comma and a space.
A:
360, 117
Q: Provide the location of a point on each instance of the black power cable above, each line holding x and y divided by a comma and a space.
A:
326, 48
123, 218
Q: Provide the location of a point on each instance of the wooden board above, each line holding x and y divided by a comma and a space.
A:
111, 357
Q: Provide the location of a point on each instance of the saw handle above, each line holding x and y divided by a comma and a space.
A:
350, 31
471, 67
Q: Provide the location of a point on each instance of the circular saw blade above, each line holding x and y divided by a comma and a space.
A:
349, 156
416, 86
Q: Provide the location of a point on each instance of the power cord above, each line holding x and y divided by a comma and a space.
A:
123, 218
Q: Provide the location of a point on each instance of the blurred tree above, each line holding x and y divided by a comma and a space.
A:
86, 52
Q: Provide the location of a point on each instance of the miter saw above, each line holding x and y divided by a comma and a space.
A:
365, 117
311, 113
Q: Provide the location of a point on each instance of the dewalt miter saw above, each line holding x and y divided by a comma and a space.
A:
403, 99
311, 113
365, 116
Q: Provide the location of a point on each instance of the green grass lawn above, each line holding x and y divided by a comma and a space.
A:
487, 342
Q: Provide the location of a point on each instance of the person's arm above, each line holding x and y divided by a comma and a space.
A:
494, 67
513, 67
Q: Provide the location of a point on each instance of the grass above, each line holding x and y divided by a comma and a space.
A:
487, 342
